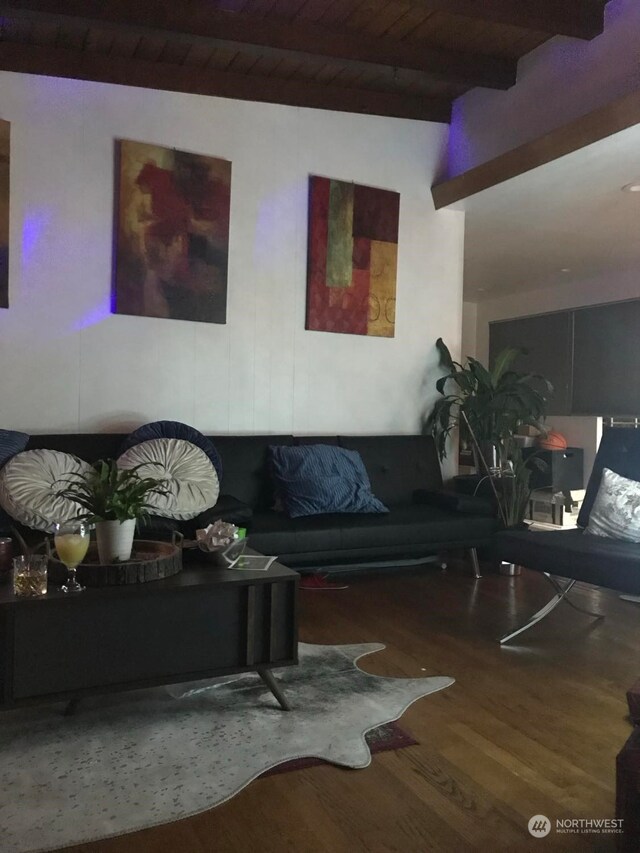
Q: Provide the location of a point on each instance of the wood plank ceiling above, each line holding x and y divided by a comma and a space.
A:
402, 58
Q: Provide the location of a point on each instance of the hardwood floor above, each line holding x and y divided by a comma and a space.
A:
529, 729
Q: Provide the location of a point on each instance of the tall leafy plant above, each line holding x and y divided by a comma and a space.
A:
491, 404
494, 402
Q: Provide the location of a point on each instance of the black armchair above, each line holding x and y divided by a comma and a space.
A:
573, 555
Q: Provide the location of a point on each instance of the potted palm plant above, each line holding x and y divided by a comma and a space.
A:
490, 404
112, 499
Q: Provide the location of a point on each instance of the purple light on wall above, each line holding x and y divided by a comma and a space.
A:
96, 314
459, 145
33, 227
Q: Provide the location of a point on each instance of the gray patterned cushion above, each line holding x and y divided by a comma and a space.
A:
189, 477
616, 509
29, 486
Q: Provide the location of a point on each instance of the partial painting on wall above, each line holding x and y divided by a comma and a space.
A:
4, 213
352, 258
172, 234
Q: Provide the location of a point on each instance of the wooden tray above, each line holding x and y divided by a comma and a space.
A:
150, 561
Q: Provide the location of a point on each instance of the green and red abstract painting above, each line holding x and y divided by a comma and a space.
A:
352, 258
4, 213
172, 233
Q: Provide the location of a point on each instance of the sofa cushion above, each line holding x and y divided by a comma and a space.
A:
29, 486
274, 533
572, 554
414, 524
227, 508
11, 442
189, 478
321, 478
246, 473
468, 504
397, 465
619, 450
156, 528
175, 429
615, 513
403, 527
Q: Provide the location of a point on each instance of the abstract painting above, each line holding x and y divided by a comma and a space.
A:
4, 213
352, 258
172, 234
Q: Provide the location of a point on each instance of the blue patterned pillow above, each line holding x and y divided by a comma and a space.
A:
175, 429
11, 442
314, 479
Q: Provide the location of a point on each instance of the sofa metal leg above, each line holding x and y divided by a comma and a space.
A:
475, 563
561, 595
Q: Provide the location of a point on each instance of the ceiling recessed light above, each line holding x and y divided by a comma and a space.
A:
632, 188
565, 269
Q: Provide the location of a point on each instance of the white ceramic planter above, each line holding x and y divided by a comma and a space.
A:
115, 539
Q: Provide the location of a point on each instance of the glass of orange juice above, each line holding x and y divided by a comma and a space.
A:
72, 541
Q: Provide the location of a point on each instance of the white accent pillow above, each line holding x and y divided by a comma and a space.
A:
28, 486
190, 478
616, 509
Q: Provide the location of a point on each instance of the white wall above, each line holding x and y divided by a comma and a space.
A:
469, 329
68, 364
560, 81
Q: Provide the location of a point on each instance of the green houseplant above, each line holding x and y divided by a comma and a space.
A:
490, 404
113, 499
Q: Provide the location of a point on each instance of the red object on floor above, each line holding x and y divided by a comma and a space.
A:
320, 582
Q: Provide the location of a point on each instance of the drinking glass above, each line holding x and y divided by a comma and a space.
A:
30, 575
72, 541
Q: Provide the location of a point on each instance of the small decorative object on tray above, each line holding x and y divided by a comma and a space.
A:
218, 535
221, 542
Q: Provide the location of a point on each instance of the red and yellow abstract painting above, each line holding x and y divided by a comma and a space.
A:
352, 258
172, 233
4, 213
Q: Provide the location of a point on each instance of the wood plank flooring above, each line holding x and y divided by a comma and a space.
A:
533, 728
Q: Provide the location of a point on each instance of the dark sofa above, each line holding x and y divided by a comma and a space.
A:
575, 554
405, 474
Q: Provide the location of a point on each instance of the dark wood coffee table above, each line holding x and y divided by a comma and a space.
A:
200, 623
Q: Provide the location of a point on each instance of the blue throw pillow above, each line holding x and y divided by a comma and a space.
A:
11, 442
319, 478
175, 429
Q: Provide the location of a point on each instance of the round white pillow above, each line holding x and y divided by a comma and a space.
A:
189, 477
29, 483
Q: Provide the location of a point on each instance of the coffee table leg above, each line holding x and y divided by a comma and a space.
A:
267, 676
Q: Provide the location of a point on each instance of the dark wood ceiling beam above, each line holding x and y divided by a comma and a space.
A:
582, 19
195, 19
61, 62
585, 130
